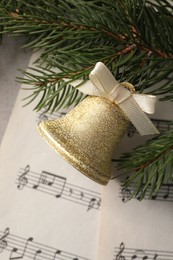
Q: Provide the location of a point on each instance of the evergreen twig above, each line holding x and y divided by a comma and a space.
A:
74, 35
149, 172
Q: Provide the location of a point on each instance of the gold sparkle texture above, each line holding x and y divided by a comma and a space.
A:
87, 136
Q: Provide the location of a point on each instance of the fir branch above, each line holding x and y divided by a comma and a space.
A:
55, 92
74, 35
148, 173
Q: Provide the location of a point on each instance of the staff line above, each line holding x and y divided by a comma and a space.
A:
68, 199
55, 190
56, 186
84, 189
35, 246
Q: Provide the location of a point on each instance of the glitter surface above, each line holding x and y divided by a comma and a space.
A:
87, 136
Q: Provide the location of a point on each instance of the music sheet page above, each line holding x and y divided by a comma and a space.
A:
133, 229
48, 210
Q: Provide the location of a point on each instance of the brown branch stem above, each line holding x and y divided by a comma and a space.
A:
119, 37
154, 159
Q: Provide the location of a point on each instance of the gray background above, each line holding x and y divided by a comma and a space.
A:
12, 57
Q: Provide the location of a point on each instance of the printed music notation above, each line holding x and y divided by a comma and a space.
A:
21, 248
58, 187
161, 125
165, 193
43, 115
123, 253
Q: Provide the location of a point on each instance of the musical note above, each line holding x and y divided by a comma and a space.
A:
46, 178
22, 178
94, 202
91, 203
119, 256
58, 252
99, 203
81, 195
155, 257
131, 131
139, 252
166, 195
62, 186
70, 191
3, 242
38, 252
158, 124
126, 193
154, 196
15, 250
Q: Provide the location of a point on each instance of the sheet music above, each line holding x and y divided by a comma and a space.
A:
48, 210
164, 193
133, 229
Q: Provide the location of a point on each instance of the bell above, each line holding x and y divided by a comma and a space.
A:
87, 135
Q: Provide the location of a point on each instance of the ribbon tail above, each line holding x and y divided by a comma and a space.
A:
138, 118
146, 102
86, 87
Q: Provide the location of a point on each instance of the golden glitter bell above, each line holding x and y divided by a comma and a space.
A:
87, 136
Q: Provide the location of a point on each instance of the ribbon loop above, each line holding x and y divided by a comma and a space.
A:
102, 78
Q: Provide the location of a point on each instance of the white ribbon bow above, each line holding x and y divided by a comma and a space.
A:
102, 83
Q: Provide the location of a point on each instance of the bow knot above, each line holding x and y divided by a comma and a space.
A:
119, 94
102, 83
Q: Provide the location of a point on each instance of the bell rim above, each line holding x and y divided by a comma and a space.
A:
71, 159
